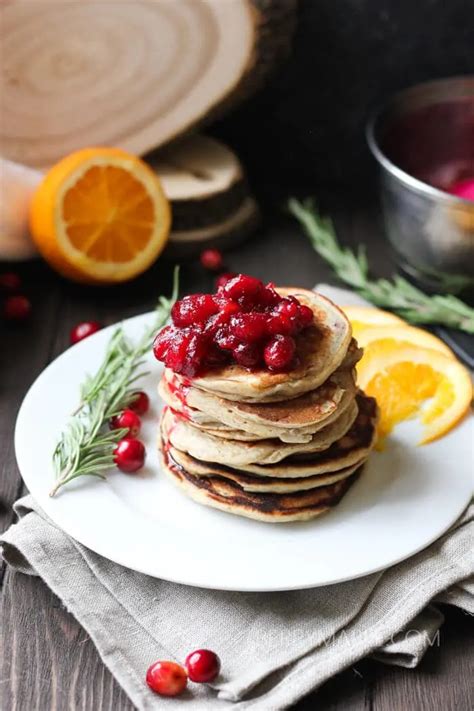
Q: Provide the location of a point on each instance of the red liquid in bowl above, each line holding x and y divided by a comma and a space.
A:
436, 145
464, 189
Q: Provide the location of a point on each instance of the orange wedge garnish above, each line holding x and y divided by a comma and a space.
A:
364, 316
409, 381
404, 335
100, 216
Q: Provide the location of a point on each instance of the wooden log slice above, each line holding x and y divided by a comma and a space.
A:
131, 74
235, 228
210, 199
203, 179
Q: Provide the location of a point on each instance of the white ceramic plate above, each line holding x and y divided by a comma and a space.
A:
406, 497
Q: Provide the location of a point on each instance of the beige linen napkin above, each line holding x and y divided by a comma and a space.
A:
275, 647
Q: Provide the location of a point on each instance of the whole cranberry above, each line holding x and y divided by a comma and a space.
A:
202, 665
193, 309
249, 355
222, 279
140, 402
16, 308
166, 678
177, 346
279, 353
196, 352
83, 330
244, 289
129, 455
226, 340
212, 259
127, 420
280, 324
305, 316
10, 282
269, 296
249, 327
288, 306
162, 342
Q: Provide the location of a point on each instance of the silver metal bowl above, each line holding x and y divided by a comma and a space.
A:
423, 141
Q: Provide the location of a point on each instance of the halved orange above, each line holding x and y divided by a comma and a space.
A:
409, 380
100, 216
403, 335
364, 316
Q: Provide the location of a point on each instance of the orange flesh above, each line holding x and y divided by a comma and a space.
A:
402, 389
108, 214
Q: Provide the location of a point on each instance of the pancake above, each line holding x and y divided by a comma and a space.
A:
274, 508
201, 445
353, 447
321, 349
248, 482
293, 420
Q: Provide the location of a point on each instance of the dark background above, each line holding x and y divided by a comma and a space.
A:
306, 128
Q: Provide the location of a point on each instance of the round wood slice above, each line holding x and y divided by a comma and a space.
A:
130, 74
236, 227
203, 179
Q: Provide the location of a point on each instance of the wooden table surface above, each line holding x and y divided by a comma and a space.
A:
49, 662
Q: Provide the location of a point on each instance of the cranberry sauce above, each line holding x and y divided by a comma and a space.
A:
245, 322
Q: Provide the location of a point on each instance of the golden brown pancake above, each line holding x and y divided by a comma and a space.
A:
293, 420
275, 508
249, 482
201, 445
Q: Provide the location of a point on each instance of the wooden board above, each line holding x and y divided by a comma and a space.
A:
130, 74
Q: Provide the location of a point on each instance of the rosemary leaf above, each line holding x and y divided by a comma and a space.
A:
86, 446
396, 294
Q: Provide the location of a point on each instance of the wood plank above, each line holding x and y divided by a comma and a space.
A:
51, 664
444, 678
25, 350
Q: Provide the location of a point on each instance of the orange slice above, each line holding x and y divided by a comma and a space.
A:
364, 316
100, 216
396, 336
408, 381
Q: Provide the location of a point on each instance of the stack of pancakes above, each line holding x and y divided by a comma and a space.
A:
273, 446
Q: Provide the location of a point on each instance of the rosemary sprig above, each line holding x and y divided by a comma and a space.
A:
86, 445
396, 294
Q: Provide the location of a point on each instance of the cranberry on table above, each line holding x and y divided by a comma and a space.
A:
212, 259
140, 403
10, 282
222, 279
16, 308
129, 455
279, 353
167, 678
202, 665
83, 330
127, 420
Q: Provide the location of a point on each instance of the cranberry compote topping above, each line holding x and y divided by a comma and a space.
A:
279, 353
245, 322
193, 309
224, 278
